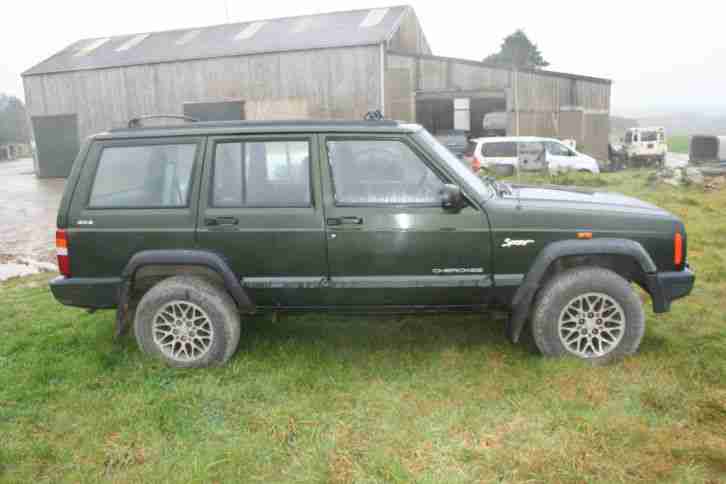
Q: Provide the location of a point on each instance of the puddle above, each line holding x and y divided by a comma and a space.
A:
28, 208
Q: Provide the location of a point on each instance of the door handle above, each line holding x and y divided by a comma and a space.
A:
345, 221
215, 221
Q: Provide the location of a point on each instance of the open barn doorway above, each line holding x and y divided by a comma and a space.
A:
442, 112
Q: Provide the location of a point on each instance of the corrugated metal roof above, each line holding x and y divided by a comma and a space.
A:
338, 29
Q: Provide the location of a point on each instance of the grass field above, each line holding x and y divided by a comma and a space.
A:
678, 143
327, 398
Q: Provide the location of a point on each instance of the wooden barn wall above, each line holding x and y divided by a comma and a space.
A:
323, 84
549, 104
410, 37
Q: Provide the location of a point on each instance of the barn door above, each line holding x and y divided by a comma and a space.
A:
57, 144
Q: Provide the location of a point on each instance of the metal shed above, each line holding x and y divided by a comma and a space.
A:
328, 66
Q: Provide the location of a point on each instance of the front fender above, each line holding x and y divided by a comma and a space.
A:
524, 296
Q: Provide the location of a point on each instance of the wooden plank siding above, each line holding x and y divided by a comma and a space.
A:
341, 83
546, 100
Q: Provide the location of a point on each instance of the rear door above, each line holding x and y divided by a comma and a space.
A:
260, 208
532, 155
133, 195
499, 153
649, 142
389, 240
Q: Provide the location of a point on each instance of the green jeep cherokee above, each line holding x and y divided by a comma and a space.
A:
183, 228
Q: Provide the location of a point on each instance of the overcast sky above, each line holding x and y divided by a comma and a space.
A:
660, 57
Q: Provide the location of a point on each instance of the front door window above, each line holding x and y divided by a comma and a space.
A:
381, 172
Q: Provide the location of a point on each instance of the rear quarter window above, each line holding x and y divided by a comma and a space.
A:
146, 176
502, 149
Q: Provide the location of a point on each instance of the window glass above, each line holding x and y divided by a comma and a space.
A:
381, 172
556, 149
500, 150
262, 174
648, 136
531, 149
470, 149
629, 137
143, 176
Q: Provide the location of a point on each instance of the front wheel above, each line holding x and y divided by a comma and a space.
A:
590, 313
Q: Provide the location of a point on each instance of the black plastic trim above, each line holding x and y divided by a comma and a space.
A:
177, 257
86, 292
522, 301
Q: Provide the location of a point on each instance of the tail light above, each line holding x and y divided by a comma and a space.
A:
61, 250
474, 163
678, 250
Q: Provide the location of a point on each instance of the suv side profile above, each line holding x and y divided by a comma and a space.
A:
187, 229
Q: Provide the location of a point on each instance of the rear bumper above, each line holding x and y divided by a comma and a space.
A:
95, 293
665, 287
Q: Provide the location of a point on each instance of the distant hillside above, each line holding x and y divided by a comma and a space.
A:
687, 123
618, 124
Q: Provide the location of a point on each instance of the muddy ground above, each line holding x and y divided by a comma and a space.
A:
28, 207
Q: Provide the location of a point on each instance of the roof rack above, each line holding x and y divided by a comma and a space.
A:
376, 115
136, 122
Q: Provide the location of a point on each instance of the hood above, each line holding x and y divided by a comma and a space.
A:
582, 197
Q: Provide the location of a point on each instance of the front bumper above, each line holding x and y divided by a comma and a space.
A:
95, 293
665, 287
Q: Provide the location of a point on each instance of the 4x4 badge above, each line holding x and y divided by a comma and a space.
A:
517, 242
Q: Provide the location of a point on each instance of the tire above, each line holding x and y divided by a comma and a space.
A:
558, 324
197, 323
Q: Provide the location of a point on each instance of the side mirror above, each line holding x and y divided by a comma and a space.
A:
451, 197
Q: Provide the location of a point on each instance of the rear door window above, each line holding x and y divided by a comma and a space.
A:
261, 174
146, 176
502, 149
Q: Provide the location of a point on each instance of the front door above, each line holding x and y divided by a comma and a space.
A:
261, 209
389, 240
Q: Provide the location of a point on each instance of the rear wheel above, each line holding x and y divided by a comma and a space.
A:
187, 322
590, 313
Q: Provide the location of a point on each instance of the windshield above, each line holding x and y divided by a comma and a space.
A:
460, 168
648, 136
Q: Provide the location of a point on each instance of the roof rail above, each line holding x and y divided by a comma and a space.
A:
136, 122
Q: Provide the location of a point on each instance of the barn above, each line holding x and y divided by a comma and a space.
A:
327, 66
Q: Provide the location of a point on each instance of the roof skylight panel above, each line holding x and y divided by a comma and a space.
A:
374, 17
249, 31
132, 42
91, 46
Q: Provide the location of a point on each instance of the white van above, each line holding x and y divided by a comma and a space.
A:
645, 145
529, 153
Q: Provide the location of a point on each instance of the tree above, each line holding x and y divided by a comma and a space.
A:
13, 120
518, 51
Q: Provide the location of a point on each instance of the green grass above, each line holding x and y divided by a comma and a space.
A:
678, 143
328, 398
